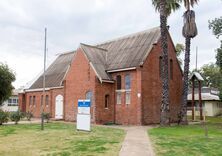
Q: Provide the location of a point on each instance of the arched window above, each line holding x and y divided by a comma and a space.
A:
127, 82
106, 100
33, 100
89, 95
171, 69
160, 66
30, 100
46, 100
118, 82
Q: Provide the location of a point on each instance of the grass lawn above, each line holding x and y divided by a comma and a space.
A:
189, 140
58, 139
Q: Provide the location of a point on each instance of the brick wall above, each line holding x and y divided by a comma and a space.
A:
80, 79
36, 108
104, 115
22, 102
152, 87
128, 113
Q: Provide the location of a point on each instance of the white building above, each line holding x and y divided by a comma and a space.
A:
211, 103
12, 103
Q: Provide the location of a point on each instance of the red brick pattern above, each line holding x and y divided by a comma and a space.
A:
144, 107
151, 86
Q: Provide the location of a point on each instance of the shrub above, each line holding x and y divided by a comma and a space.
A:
3, 117
29, 115
16, 116
46, 116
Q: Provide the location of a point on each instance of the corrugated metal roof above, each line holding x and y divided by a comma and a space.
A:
207, 93
97, 56
204, 97
55, 72
124, 52
197, 75
130, 50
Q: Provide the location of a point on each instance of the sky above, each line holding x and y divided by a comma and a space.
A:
71, 22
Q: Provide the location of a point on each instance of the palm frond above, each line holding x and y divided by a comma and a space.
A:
189, 28
188, 3
171, 5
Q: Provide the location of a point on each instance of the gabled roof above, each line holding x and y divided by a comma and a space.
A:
125, 52
121, 53
55, 73
131, 50
197, 76
97, 56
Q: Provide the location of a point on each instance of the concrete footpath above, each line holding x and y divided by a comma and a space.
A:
136, 142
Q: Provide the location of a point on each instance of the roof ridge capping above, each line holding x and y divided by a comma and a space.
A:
92, 46
129, 35
66, 53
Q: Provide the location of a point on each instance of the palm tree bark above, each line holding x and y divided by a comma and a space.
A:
183, 113
164, 115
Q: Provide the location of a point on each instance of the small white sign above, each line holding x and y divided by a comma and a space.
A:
83, 110
83, 116
83, 122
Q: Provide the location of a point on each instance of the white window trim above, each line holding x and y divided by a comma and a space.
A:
128, 103
120, 98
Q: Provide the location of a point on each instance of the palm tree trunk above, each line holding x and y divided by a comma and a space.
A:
164, 115
183, 111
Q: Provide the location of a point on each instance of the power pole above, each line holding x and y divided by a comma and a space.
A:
43, 99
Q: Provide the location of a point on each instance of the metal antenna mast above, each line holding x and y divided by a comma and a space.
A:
43, 99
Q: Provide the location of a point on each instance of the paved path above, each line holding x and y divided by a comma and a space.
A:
136, 142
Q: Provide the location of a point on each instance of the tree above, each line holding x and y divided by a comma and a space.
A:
165, 7
180, 48
219, 56
189, 31
6, 79
216, 26
212, 76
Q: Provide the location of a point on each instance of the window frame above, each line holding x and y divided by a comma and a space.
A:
13, 101
30, 100
107, 101
160, 66
171, 69
118, 82
118, 98
129, 81
34, 100
128, 100
46, 100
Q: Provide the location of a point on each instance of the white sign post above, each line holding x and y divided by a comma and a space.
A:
83, 116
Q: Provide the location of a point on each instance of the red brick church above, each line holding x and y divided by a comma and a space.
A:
120, 76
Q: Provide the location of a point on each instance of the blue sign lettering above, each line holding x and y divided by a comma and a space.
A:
84, 103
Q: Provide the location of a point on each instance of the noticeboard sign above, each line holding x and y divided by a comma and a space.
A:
84, 106
83, 116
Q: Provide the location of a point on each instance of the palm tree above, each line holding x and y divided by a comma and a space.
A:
165, 7
189, 31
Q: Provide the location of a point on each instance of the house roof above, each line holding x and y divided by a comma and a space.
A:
55, 73
124, 52
131, 50
197, 76
204, 97
97, 56
207, 94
